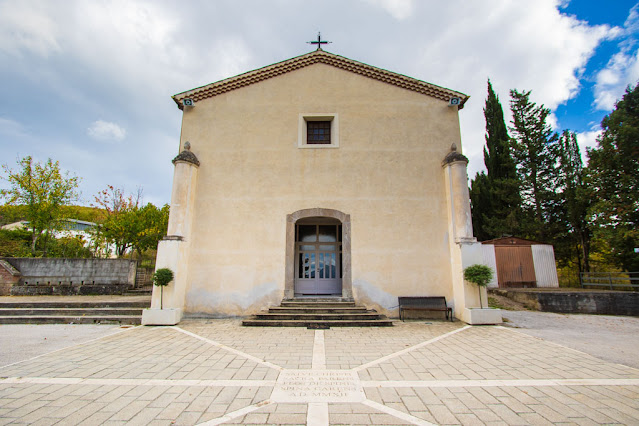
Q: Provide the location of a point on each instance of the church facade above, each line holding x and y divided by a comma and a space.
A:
317, 176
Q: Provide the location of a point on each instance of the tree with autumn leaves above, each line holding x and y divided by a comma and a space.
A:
44, 190
127, 225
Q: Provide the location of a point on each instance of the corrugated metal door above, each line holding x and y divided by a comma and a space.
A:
515, 265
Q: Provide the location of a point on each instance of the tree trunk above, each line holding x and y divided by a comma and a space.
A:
480, 303
34, 239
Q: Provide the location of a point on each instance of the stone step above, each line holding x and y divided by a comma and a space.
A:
75, 305
311, 316
317, 323
63, 319
138, 292
320, 299
70, 312
319, 310
316, 304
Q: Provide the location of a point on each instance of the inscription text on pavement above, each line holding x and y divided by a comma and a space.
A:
318, 386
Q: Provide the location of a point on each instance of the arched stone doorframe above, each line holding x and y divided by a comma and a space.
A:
291, 219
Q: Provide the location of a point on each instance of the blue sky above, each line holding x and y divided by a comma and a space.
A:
581, 112
89, 83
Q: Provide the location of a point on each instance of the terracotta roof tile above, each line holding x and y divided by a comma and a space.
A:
318, 56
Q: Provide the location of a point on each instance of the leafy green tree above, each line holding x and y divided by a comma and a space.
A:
161, 278
535, 154
15, 243
44, 190
481, 205
73, 247
12, 214
574, 202
479, 275
116, 224
152, 223
495, 196
613, 180
127, 225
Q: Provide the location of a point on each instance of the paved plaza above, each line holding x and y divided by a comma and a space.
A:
217, 372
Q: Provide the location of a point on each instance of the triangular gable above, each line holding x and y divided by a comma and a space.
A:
315, 57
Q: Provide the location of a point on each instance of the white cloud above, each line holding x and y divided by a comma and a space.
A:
28, 26
399, 9
106, 131
532, 47
124, 58
587, 140
622, 69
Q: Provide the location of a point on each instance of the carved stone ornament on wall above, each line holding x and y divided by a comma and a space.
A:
186, 156
454, 156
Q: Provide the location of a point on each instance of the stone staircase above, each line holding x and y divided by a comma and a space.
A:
318, 313
70, 311
139, 291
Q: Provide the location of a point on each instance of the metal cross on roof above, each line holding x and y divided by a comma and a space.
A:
319, 41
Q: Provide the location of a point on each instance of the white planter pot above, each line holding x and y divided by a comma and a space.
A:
170, 316
477, 316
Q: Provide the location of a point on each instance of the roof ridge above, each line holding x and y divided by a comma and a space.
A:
318, 56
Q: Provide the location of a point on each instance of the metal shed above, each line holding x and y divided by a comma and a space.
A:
520, 263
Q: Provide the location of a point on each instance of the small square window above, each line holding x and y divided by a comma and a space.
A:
318, 132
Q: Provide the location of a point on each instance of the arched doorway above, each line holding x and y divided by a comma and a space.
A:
318, 257
318, 254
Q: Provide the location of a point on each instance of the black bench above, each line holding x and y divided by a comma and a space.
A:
434, 303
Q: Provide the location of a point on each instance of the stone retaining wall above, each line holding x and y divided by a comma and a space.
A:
577, 302
40, 276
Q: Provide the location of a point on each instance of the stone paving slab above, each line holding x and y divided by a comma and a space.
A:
216, 372
144, 353
489, 353
288, 347
351, 347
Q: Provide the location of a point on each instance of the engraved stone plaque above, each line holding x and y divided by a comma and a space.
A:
318, 386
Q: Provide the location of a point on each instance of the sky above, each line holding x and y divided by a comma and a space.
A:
89, 83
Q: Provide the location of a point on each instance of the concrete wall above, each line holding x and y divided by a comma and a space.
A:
578, 302
386, 174
72, 276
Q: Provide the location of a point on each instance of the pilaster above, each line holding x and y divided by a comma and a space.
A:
173, 250
464, 248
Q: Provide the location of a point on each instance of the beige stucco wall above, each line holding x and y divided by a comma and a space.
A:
386, 175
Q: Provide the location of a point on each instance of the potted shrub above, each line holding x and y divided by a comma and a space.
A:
480, 275
162, 277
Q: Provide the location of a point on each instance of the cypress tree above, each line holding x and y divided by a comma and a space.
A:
497, 155
495, 196
574, 202
481, 205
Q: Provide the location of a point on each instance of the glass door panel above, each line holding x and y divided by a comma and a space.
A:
318, 270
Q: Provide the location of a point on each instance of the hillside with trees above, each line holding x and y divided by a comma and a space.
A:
42, 196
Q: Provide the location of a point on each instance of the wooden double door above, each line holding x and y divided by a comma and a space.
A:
318, 253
